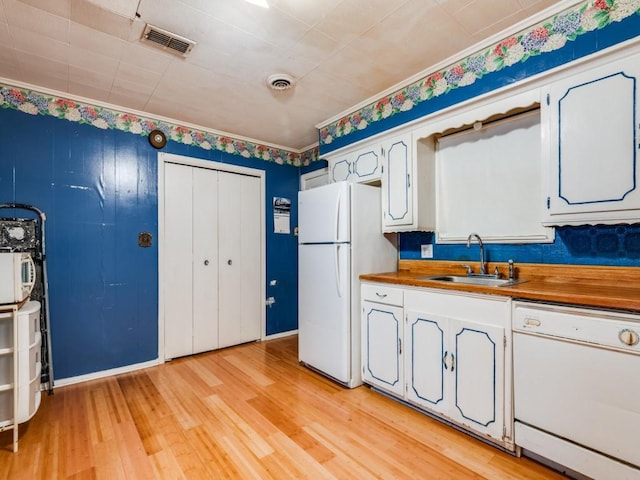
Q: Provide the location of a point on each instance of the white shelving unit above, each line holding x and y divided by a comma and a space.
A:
20, 365
9, 370
29, 360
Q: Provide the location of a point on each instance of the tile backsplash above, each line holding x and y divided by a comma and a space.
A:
617, 245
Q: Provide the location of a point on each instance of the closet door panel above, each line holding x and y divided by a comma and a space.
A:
178, 238
239, 253
251, 246
205, 260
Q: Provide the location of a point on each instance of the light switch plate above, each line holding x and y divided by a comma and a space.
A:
426, 251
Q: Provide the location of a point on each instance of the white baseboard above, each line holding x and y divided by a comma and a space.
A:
104, 373
281, 335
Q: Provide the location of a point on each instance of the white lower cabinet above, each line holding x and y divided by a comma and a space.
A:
453, 352
382, 334
456, 369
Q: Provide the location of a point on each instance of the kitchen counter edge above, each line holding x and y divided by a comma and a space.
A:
592, 286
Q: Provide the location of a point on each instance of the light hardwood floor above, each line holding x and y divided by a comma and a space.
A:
246, 412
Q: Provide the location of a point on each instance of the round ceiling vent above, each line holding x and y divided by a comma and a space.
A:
280, 81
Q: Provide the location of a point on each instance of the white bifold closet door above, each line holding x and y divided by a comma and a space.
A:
212, 257
239, 250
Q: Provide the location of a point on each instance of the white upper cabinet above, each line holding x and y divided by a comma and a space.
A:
363, 165
367, 164
339, 168
593, 143
407, 188
397, 195
390, 163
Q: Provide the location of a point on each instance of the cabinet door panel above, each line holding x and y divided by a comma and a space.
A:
596, 141
397, 194
366, 165
339, 170
478, 367
593, 174
426, 349
382, 349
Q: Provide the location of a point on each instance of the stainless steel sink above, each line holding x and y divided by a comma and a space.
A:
488, 281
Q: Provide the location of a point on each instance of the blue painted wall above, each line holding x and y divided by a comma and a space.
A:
98, 189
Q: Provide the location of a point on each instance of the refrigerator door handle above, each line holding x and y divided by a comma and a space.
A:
337, 269
337, 218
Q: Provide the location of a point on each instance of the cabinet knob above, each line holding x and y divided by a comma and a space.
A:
229, 262
628, 337
206, 262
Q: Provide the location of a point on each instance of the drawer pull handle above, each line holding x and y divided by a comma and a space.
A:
381, 295
453, 362
532, 322
444, 361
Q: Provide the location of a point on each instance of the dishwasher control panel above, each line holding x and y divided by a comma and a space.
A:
602, 328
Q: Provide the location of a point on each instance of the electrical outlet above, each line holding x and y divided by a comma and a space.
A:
426, 251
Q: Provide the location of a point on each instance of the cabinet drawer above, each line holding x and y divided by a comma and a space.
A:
381, 294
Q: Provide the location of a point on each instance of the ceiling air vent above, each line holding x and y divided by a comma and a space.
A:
280, 81
167, 41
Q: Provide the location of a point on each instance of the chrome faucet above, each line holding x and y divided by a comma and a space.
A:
483, 270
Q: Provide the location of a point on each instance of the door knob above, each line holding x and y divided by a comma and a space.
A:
229, 262
206, 262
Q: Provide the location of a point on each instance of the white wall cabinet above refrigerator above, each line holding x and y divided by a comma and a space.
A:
593, 143
363, 165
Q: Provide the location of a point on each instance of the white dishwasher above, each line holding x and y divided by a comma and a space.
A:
577, 388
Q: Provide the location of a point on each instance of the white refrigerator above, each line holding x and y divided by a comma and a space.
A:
339, 238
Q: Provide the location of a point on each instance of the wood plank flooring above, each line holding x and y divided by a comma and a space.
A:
246, 412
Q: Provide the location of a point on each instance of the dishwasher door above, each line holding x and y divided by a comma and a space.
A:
574, 378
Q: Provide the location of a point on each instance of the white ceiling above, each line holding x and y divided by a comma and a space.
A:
340, 51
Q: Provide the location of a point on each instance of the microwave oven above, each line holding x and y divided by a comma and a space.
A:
17, 276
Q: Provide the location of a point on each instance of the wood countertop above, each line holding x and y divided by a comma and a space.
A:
584, 285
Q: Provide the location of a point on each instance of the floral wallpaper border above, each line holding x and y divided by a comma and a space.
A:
35, 103
545, 37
